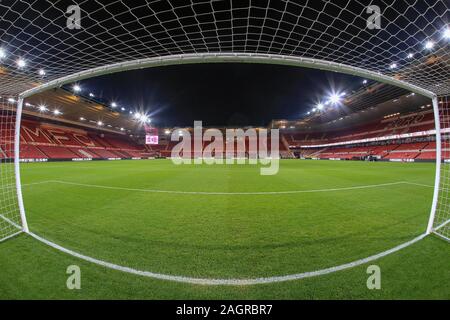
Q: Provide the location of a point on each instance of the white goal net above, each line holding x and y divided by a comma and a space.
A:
10, 223
441, 223
399, 41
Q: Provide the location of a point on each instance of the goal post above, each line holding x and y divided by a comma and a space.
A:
439, 222
41, 49
23, 217
440, 213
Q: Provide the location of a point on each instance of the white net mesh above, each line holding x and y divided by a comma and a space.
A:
9, 211
40, 41
441, 223
116, 31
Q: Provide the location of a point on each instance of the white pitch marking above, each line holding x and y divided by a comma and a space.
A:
230, 193
419, 184
233, 282
35, 183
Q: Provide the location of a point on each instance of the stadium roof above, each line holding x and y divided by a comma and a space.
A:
348, 118
38, 46
73, 109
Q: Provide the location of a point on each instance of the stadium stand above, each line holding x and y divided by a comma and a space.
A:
420, 146
40, 140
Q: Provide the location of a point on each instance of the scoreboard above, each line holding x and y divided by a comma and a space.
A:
151, 135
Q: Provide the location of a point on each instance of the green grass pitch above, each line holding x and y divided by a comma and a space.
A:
115, 211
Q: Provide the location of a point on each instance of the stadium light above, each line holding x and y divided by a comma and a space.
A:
76, 88
91, 95
364, 81
21, 63
2, 53
82, 119
446, 33
123, 109
335, 98
319, 106
11, 100
113, 105
99, 123
137, 115
313, 109
56, 112
42, 108
167, 132
410, 55
429, 45
41, 72
393, 66
122, 129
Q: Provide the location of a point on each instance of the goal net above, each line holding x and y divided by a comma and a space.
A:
45, 44
10, 223
441, 223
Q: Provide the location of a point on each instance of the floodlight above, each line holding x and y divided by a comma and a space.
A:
429, 45
446, 34
21, 63
334, 98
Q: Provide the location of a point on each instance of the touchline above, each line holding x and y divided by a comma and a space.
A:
211, 147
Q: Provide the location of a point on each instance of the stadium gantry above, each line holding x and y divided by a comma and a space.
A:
48, 44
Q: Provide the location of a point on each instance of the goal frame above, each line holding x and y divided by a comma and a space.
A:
230, 57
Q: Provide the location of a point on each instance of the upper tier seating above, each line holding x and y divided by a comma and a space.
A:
414, 122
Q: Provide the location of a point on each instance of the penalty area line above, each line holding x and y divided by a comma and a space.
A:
229, 282
230, 193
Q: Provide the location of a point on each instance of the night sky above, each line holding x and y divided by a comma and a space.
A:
225, 94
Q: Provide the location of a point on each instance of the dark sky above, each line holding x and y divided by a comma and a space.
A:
219, 94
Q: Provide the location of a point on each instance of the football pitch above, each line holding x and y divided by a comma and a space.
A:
225, 222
